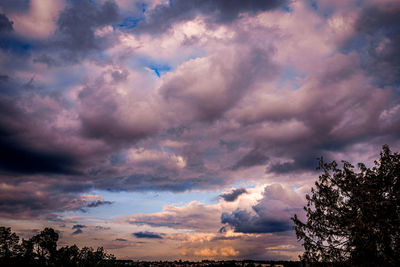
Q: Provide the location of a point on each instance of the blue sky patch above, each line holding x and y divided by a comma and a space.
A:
159, 70
130, 22
289, 75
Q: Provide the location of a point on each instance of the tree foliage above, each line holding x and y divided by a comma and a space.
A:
41, 250
353, 218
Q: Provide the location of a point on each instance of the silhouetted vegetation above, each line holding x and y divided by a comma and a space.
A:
41, 250
353, 218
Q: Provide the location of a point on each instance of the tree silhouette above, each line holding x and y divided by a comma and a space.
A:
41, 250
8, 245
68, 256
353, 218
45, 246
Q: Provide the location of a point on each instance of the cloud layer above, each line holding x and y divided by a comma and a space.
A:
104, 98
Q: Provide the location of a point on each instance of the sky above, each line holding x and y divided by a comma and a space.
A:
165, 130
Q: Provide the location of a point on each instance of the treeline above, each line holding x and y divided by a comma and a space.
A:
41, 250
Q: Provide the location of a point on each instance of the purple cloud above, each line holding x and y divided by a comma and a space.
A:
255, 91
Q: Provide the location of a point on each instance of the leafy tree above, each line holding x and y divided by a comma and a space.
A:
9, 246
26, 254
90, 257
45, 246
68, 256
41, 250
353, 218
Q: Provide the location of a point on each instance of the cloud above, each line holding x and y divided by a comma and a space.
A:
121, 240
163, 16
23, 156
77, 24
270, 215
5, 24
15, 5
255, 157
247, 98
107, 114
31, 199
101, 228
98, 203
21, 159
195, 98
233, 195
193, 216
146, 234
77, 232
38, 22
78, 226
210, 253
376, 38
244, 222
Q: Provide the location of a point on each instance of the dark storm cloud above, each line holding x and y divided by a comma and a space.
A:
255, 157
146, 234
243, 222
5, 24
303, 159
164, 16
77, 23
18, 156
20, 159
232, 196
377, 38
21, 197
27, 205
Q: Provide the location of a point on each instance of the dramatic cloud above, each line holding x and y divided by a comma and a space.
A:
187, 117
272, 213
